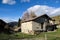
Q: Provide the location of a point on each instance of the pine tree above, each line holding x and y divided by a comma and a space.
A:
19, 22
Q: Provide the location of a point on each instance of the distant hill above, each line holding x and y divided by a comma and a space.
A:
12, 24
2, 25
57, 18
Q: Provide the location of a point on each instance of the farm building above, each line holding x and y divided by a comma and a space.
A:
37, 24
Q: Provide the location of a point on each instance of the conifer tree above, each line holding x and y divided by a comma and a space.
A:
19, 22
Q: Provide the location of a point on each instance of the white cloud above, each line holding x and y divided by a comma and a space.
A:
10, 2
43, 9
57, 10
25, 0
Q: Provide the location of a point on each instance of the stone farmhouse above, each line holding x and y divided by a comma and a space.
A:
38, 24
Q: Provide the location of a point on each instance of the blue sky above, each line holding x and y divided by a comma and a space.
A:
13, 9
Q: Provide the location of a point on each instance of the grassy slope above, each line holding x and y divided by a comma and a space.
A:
57, 18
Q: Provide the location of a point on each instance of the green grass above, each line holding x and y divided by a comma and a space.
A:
49, 35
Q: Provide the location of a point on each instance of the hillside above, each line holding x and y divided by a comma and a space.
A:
57, 19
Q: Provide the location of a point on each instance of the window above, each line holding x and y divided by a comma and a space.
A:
45, 19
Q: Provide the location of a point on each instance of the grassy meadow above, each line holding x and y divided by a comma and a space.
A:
49, 35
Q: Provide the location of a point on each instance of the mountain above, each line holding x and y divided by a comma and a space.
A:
12, 24
2, 25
